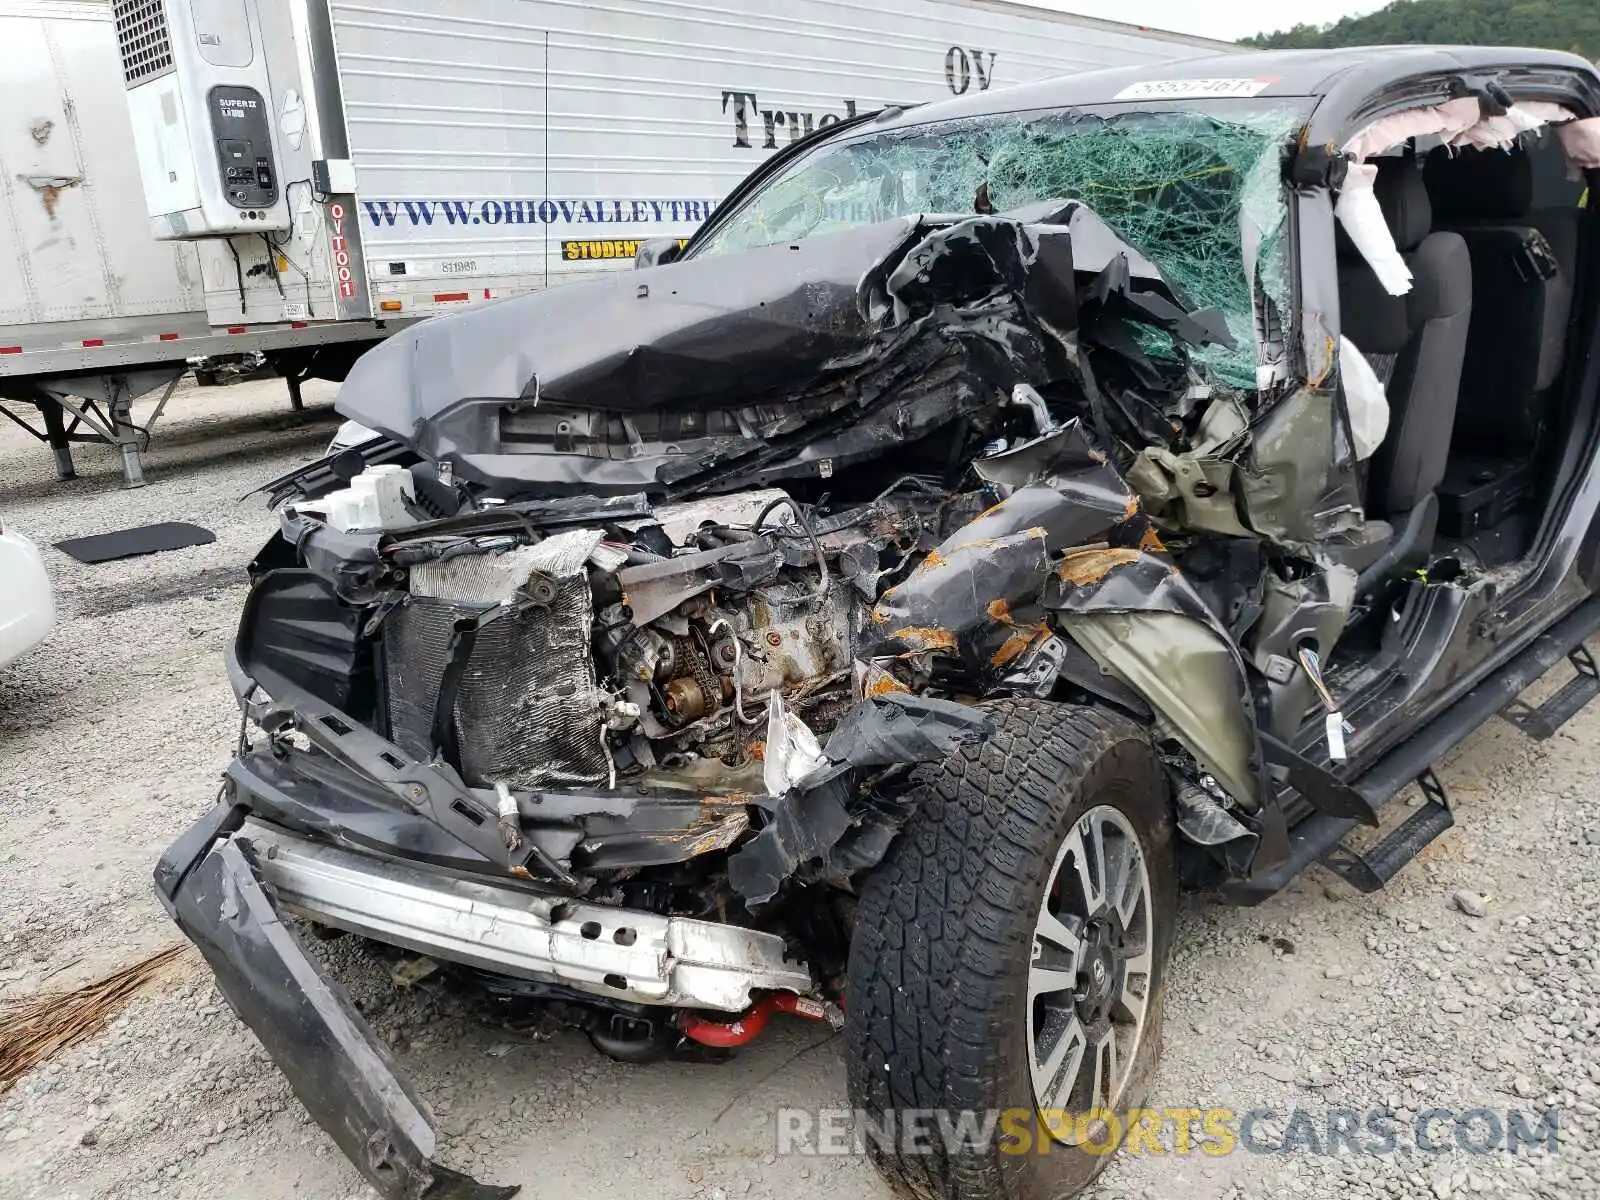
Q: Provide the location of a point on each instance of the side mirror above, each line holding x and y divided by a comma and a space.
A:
657, 252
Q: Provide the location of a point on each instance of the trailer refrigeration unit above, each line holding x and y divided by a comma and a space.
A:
95, 310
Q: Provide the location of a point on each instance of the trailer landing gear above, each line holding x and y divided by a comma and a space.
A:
294, 379
55, 432
101, 410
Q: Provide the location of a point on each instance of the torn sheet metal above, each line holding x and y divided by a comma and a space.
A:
1140, 619
1035, 263
792, 751
1287, 475
986, 639
625, 829
955, 591
1227, 574
1065, 460
808, 823
896, 729
1298, 484
802, 827
1196, 489
963, 595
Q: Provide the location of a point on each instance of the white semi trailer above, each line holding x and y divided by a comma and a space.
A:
94, 312
303, 175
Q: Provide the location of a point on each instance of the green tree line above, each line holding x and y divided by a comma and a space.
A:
1552, 24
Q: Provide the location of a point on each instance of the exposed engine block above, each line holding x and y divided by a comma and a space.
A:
570, 659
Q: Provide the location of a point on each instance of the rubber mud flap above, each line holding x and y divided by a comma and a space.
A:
335, 1065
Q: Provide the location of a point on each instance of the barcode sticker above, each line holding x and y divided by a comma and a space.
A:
1194, 89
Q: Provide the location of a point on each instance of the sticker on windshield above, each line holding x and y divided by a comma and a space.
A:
1194, 89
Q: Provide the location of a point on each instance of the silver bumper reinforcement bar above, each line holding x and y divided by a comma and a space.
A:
619, 953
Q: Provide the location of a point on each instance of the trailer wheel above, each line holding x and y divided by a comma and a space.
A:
1008, 959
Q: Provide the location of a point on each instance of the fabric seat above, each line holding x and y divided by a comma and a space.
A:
1522, 295
1417, 343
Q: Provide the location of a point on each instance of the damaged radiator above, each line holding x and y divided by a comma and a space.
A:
526, 711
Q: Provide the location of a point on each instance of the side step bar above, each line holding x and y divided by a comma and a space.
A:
1369, 871
1542, 722
1319, 835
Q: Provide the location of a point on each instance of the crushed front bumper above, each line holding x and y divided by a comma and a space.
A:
223, 879
334, 1063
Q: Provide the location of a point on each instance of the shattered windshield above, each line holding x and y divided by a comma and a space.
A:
1198, 191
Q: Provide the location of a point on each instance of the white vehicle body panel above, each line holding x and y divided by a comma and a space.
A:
349, 434
27, 605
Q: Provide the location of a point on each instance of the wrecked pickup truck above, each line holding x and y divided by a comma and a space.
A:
1001, 514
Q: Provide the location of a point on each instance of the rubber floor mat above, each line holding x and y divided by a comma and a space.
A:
130, 543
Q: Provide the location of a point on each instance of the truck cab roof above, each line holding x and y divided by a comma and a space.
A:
1354, 72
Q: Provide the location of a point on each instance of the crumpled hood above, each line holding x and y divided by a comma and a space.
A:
677, 334
823, 333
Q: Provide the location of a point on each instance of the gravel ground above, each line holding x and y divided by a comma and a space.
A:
1471, 983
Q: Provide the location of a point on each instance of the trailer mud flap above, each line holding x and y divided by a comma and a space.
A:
334, 1063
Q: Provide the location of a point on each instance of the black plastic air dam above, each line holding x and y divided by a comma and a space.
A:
336, 1066
1389, 776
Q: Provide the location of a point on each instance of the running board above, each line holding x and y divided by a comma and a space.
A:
1543, 722
1369, 871
1320, 834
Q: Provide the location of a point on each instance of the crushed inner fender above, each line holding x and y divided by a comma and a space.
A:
811, 822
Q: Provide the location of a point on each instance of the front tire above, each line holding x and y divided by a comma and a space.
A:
1009, 956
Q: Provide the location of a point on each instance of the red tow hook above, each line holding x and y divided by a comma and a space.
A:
748, 1027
